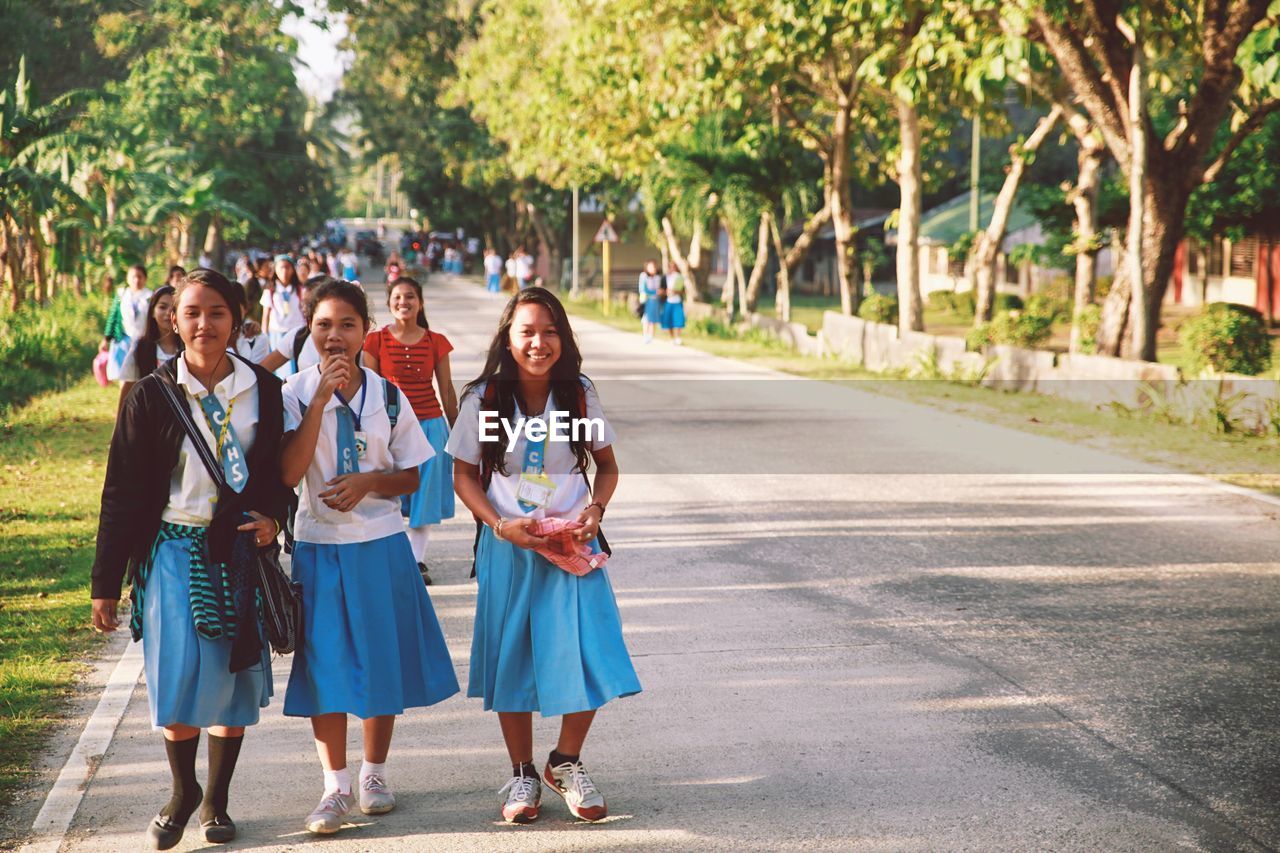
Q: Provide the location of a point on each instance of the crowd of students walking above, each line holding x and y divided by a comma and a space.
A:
268, 409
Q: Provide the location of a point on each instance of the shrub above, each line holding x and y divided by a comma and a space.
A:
1228, 338
44, 348
951, 302
1012, 328
1008, 302
1090, 320
1048, 305
1102, 286
878, 308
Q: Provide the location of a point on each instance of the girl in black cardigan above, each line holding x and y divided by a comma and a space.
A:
186, 545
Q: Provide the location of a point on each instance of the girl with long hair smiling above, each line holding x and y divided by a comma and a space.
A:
545, 640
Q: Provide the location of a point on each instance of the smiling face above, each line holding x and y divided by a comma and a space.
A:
337, 328
204, 320
404, 303
164, 314
534, 341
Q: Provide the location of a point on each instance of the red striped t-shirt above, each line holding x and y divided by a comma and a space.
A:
411, 367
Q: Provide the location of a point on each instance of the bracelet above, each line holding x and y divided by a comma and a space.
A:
497, 528
277, 533
595, 503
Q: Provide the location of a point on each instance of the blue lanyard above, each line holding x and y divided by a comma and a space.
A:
355, 413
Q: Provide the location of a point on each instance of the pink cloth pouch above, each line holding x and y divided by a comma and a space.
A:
564, 549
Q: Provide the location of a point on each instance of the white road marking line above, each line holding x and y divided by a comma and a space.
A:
51, 824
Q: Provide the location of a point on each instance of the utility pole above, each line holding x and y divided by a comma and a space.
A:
975, 168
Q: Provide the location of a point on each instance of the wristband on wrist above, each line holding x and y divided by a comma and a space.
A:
497, 528
596, 504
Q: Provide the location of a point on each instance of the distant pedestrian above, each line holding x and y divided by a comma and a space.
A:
157, 344
282, 306
371, 645
524, 268
545, 640
193, 605
126, 319
673, 307
492, 270
349, 262
416, 359
651, 282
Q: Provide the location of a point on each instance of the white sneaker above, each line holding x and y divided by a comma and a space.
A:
326, 818
570, 780
524, 796
375, 795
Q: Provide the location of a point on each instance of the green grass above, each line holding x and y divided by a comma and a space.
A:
1243, 460
52, 460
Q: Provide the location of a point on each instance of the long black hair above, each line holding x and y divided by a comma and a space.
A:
417, 288
146, 351
500, 378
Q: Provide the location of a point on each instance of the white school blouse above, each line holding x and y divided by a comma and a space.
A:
286, 309
571, 494
133, 311
253, 349
377, 516
192, 491
309, 357
129, 371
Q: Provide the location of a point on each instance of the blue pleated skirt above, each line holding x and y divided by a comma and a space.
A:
673, 315
371, 643
433, 502
189, 681
544, 640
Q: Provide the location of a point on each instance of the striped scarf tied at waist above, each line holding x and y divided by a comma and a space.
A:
220, 593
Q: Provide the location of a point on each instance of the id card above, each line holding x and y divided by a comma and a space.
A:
535, 489
362, 444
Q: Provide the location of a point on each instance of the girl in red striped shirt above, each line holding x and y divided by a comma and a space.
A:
411, 355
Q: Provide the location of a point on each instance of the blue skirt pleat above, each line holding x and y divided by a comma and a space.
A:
371, 643
433, 502
189, 681
652, 309
544, 640
673, 315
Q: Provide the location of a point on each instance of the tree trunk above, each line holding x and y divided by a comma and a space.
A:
910, 180
840, 203
761, 263
690, 265
741, 275
213, 244
986, 248
781, 301
1137, 132
13, 263
549, 242
35, 261
1084, 198
726, 289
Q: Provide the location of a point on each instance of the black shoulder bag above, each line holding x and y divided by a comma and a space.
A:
281, 597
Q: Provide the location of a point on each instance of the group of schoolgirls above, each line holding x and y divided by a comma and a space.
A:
205, 450
661, 302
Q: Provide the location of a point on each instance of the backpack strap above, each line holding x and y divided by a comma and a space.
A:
299, 341
392, 396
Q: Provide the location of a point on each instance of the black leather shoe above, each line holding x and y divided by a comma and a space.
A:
219, 829
422, 570
165, 832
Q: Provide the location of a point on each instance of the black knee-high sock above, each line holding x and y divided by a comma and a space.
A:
186, 791
223, 752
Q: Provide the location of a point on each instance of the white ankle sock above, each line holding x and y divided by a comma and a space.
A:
369, 768
418, 539
337, 780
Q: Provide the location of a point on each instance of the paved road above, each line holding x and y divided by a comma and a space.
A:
861, 624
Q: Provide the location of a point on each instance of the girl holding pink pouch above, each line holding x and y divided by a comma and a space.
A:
545, 639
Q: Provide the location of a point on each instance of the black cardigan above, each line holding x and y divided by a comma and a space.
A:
144, 452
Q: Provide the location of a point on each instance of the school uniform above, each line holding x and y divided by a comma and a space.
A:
493, 273
253, 349
308, 356
134, 363
412, 369
371, 643
164, 519
544, 640
286, 314
649, 296
673, 308
126, 323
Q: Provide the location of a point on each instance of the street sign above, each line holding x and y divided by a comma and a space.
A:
606, 234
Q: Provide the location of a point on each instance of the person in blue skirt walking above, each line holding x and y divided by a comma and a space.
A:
651, 286
416, 359
371, 644
545, 640
673, 308
188, 545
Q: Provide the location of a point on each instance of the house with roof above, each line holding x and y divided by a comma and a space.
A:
1244, 271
